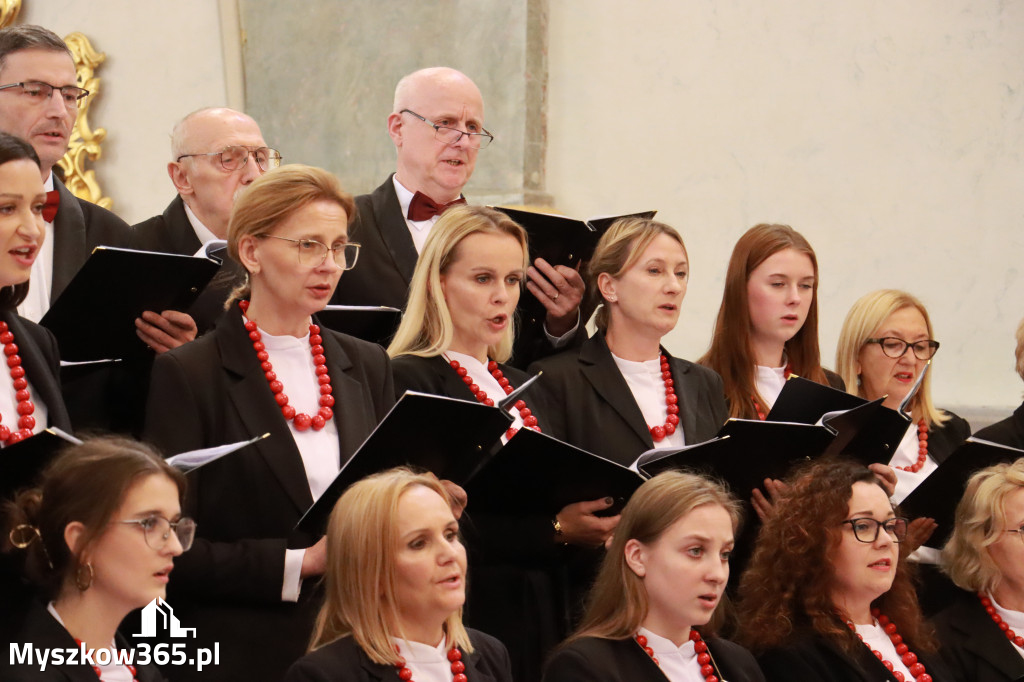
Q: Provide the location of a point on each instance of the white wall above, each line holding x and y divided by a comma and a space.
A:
164, 60
889, 134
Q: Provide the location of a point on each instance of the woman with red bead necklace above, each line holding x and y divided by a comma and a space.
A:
98, 537
884, 344
395, 584
982, 630
767, 327
457, 332
827, 595
660, 586
621, 393
268, 366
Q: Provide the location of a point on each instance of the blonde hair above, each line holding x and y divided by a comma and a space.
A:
618, 249
1019, 353
980, 517
427, 329
276, 196
618, 602
865, 317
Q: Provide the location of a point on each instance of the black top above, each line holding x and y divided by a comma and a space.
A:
812, 657
973, 646
592, 659
344, 660
587, 402
43, 631
1009, 431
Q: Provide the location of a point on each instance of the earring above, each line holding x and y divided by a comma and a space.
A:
81, 584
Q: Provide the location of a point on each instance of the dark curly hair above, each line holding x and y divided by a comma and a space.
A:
786, 590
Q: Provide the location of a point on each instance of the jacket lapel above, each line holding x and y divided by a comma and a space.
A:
394, 231
598, 367
43, 381
686, 392
257, 409
69, 241
981, 636
352, 411
183, 236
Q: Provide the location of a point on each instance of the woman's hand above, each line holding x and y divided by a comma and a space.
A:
580, 526
560, 290
886, 475
314, 561
918, 532
166, 330
765, 505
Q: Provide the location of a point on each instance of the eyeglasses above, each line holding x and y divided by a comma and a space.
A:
313, 254
38, 92
866, 529
233, 158
453, 135
895, 348
157, 531
1019, 532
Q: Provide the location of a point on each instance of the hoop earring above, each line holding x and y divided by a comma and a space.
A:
83, 585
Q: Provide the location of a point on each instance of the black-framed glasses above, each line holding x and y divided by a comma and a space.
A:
866, 529
233, 158
453, 135
39, 92
157, 531
895, 348
313, 254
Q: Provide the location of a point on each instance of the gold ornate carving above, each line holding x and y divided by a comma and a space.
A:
85, 142
9, 12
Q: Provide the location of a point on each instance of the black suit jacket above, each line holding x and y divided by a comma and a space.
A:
171, 232
943, 440
974, 648
1009, 431
41, 359
79, 227
210, 392
591, 659
344, 660
43, 631
812, 657
587, 402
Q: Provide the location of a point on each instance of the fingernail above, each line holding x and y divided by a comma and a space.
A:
608, 500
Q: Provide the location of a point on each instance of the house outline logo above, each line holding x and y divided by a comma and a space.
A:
158, 616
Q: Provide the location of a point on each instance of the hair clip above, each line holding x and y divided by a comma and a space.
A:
23, 535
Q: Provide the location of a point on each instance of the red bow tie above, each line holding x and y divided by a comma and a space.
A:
50, 207
423, 207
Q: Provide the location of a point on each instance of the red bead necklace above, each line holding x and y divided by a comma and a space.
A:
454, 656
525, 414
922, 449
707, 666
659, 432
990, 609
96, 669
300, 420
26, 422
908, 657
761, 414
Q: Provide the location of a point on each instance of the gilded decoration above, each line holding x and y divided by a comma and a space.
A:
85, 142
9, 12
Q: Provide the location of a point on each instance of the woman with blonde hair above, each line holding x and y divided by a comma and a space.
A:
268, 367
395, 586
982, 631
456, 334
827, 595
767, 326
659, 588
885, 342
98, 538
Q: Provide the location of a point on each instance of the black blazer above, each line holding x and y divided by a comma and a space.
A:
943, 440
622, 660
974, 648
44, 632
78, 228
171, 232
587, 402
812, 657
344, 660
210, 392
41, 359
1009, 431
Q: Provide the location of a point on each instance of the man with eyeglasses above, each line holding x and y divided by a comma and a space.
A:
437, 128
215, 154
39, 102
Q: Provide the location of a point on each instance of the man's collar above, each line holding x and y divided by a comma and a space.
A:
48, 183
203, 233
404, 195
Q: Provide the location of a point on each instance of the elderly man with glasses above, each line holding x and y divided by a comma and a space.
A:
437, 128
215, 154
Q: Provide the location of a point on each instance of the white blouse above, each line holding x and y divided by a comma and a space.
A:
678, 664
1015, 619
427, 663
648, 388
489, 385
906, 455
770, 381
875, 637
108, 673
